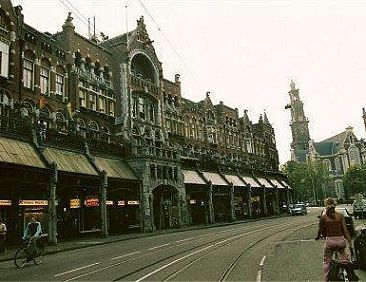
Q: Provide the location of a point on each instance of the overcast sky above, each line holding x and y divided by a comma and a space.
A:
245, 52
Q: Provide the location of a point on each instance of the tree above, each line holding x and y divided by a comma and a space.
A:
307, 179
354, 181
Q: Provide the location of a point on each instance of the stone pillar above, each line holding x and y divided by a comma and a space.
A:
232, 205
52, 212
103, 205
264, 205
250, 201
211, 217
179, 207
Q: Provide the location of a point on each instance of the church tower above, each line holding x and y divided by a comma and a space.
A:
299, 126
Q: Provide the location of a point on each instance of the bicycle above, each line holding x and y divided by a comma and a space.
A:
29, 251
340, 271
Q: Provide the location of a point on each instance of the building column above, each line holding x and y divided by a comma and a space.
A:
52, 212
232, 205
277, 206
103, 204
211, 217
179, 207
249, 199
264, 200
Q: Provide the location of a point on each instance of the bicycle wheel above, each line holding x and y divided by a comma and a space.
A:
20, 258
38, 259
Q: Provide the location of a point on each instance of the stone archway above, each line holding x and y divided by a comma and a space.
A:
166, 207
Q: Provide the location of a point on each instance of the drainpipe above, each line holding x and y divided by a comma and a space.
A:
52, 212
103, 204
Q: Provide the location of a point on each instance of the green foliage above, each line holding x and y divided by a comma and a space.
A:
307, 179
354, 180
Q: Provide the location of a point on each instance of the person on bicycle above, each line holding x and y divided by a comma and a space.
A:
332, 226
32, 233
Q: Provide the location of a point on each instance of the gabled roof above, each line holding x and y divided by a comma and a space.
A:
336, 138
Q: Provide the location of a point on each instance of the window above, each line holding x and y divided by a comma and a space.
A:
141, 107
152, 113
59, 84
354, 156
27, 73
102, 104
44, 80
4, 59
111, 108
92, 102
82, 98
134, 108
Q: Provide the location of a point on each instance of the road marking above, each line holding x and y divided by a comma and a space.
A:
173, 262
76, 269
262, 261
259, 276
190, 238
126, 255
157, 247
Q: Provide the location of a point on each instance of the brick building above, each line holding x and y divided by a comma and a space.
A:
94, 138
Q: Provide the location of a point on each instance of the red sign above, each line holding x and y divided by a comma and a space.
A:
91, 202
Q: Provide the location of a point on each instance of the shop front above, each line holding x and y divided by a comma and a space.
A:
270, 198
256, 196
241, 192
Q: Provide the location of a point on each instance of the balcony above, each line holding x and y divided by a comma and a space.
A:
155, 152
91, 76
146, 85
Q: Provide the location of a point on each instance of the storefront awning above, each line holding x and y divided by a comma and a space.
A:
69, 161
215, 178
285, 184
192, 177
19, 152
250, 180
264, 182
115, 168
277, 183
235, 180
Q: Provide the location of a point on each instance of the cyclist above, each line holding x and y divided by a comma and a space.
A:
32, 233
332, 226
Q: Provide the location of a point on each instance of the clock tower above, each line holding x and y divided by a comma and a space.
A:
299, 126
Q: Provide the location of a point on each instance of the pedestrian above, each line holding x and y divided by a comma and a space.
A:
332, 226
2, 236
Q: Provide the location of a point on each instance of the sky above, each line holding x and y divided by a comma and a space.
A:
245, 52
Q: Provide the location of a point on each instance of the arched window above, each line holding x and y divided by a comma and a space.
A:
106, 134
327, 164
44, 79
4, 22
4, 59
354, 156
28, 69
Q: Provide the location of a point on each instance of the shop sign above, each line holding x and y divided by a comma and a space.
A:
75, 203
33, 202
121, 203
109, 203
93, 202
131, 203
5, 202
192, 201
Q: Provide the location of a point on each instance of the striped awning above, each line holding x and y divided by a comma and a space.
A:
19, 152
69, 161
115, 168
235, 180
215, 178
250, 180
277, 183
285, 184
192, 177
264, 182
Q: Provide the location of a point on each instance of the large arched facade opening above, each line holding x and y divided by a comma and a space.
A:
165, 206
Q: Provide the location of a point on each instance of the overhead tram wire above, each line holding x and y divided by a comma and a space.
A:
170, 44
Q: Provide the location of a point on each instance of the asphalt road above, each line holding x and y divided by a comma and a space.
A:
281, 249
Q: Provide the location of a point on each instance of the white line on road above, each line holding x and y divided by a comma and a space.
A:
157, 247
76, 269
259, 276
187, 239
126, 255
262, 261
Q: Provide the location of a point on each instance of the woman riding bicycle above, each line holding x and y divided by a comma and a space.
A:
332, 226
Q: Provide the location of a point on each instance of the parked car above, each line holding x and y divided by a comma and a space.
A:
298, 209
348, 218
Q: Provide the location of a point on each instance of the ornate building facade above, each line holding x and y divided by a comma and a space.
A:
94, 138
